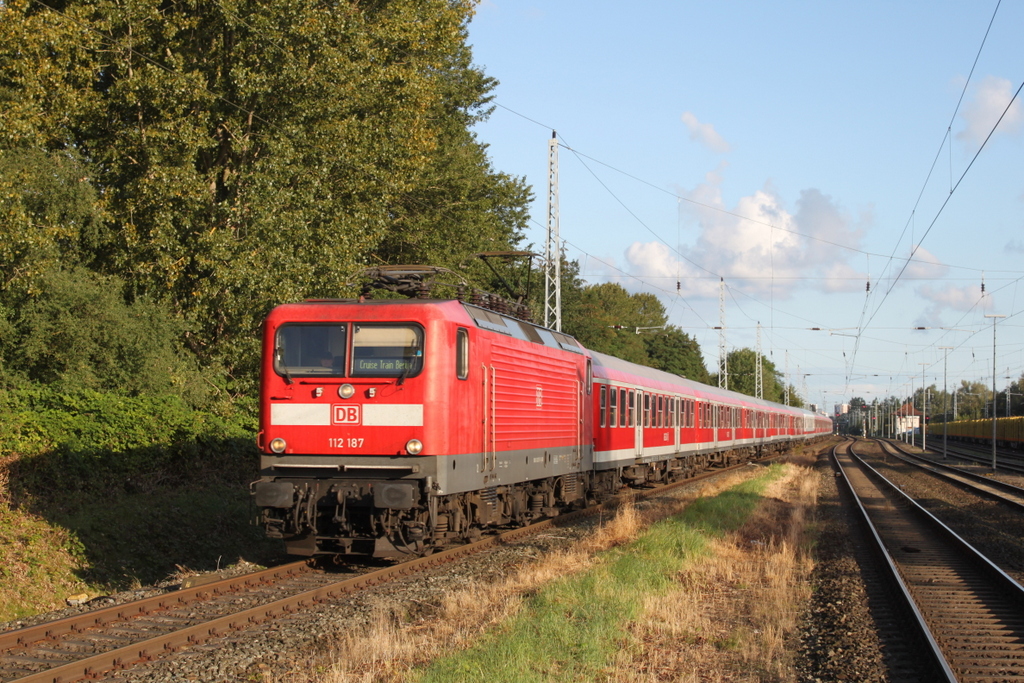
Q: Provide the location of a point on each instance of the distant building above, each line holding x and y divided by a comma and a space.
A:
842, 409
907, 419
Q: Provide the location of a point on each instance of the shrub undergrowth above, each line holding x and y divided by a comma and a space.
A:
108, 491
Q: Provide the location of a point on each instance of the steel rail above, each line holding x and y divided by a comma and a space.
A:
933, 653
1009, 460
971, 610
152, 648
77, 623
982, 485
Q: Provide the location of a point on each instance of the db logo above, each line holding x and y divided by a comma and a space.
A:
346, 415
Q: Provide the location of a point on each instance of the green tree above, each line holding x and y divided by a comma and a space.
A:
608, 318
50, 217
673, 350
973, 399
78, 332
743, 378
242, 153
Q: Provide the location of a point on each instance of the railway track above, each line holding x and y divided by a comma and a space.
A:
969, 613
119, 637
982, 485
1008, 461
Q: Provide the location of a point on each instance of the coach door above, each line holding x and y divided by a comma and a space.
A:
677, 415
636, 420
580, 402
715, 412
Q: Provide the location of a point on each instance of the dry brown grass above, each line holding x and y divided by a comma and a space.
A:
734, 611
729, 583
388, 648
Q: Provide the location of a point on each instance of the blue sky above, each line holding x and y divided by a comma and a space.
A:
797, 150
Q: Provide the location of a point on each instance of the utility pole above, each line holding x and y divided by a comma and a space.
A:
758, 377
924, 409
553, 251
723, 358
945, 398
994, 319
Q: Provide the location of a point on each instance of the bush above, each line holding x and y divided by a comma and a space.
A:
75, 329
62, 441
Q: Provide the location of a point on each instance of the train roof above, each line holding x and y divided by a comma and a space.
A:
615, 368
625, 370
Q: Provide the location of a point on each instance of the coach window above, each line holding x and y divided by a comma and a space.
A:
647, 409
661, 411
613, 408
462, 353
604, 405
387, 351
623, 416
632, 408
310, 350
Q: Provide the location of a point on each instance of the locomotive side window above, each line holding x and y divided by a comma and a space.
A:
387, 351
462, 353
604, 406
310, 350
622, 408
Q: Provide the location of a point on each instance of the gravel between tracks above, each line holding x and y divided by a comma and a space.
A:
287, 648
839, 639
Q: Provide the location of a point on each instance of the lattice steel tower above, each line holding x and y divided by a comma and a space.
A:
553, 251
723, 359
758, 375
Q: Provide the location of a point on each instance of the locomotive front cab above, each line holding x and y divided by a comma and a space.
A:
344, 394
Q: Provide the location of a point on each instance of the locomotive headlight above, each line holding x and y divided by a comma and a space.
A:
346, 391
278, 445
414, 447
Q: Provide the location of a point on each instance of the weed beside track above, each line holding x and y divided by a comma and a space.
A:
714, 577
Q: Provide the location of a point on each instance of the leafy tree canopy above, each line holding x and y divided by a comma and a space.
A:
226, 156
608, 319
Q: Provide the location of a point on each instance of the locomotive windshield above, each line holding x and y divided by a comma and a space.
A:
311, 350
387, 350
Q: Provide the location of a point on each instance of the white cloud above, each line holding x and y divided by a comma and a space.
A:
949, 298
705, 134
987, 101
758, 245
925, 265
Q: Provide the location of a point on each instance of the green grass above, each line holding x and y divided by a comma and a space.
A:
121, 542
40, 564
572, 628
101, 492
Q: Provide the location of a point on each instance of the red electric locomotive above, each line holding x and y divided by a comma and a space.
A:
392, 427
